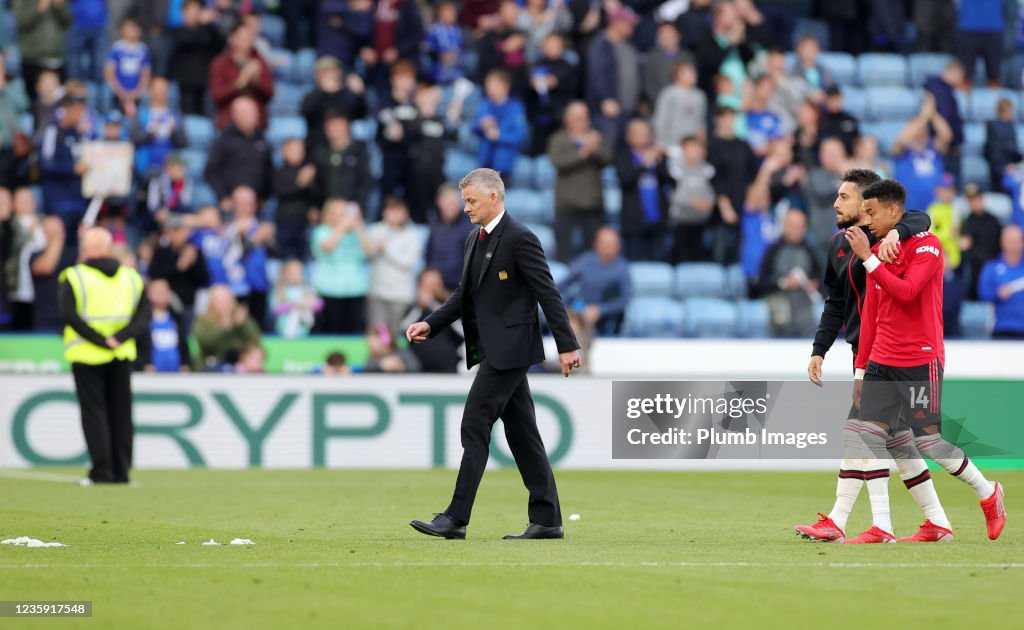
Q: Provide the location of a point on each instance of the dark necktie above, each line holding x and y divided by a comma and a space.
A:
481, 236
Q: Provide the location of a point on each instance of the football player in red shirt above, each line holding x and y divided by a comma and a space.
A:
899, 367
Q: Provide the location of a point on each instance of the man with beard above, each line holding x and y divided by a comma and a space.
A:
845, 278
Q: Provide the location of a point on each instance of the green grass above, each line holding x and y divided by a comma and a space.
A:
651, 550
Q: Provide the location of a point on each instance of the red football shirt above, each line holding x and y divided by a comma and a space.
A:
901, 321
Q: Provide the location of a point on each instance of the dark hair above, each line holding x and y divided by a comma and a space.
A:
335, 114
394, 201
862, 177
336, 359
886, 191
128, 19
690, 139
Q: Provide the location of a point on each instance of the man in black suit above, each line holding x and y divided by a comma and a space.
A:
504, 277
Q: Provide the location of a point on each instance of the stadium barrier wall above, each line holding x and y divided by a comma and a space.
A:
372, 421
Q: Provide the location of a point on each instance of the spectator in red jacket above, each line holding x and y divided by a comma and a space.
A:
240, 71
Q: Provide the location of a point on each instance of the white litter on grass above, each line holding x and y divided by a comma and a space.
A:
574, 517
211, 543
180, 543
25, 541
242, 541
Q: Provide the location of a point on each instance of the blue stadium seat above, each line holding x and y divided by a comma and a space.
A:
984, 101
544, 173
885, 132
203, 195
546, 236
273, 28
364, 130
818, 29
754, 319
710, 317
559, 272
924, 65
843, 66
975, 170
522, 172
882, 69
651, 279
1000, 205
195, 162
737, 282
457, 164
200, 131
854, 102
701, 280
890, 102
302, 67
281, 61
467, 140
653, 317
613, 200
286, 127
273, 269
528, 205
27, 123
974, 138
609, 177
977, 319
286, 102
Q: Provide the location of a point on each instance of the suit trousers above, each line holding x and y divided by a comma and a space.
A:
105, 399
504, 394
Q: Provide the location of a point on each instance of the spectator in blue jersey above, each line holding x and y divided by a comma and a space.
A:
757, 223
445, 45
917, 157
251, 238
980, 35
1013, 183
598, 285
128, 67
164, 348
156, 131
210, 240
60, 168
763, 125
449, 229
553, 85
501, 125
86, 40
644, 178
1002, 282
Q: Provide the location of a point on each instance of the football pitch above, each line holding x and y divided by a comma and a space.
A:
651, 549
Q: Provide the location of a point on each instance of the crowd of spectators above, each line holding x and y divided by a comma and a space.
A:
717, 123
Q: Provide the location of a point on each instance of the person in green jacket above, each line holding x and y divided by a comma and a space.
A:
224, 330
41, 26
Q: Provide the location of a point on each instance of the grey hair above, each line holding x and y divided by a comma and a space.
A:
487, 180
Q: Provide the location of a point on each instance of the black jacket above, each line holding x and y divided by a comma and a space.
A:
317, 103
632, 216
293, 201
185, 283
194, 49
344, 174
499, 308
845, 279
138, 325
236, 159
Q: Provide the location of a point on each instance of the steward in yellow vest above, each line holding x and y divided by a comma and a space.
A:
104, 309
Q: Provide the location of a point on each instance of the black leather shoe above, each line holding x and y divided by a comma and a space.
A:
443, 526
534, 531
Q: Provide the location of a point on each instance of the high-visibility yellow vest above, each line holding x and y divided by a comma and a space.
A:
106, 304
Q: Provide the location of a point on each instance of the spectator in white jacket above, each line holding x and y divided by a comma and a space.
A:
395, 249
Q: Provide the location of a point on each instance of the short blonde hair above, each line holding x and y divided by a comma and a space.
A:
487, 180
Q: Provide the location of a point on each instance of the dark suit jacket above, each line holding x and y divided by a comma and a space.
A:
502, 318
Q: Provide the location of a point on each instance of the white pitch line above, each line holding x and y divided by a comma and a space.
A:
621, 565
32, 475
